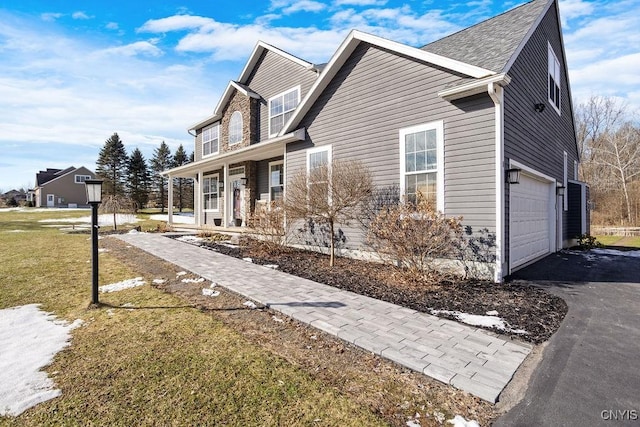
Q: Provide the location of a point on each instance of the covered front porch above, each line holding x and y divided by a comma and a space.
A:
229, 187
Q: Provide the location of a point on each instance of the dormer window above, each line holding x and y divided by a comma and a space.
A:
211, 140
554, 79
281, 108
235, 128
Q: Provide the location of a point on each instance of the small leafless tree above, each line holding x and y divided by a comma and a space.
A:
268, 225
328, 194
115, 205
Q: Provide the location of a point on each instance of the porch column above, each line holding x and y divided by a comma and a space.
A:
170, 200
225, 191
197, 196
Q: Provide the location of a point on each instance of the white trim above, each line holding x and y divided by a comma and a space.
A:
551, 55
346, 49
575, 170
583, 208
76, 176
473, 88
217, 191
565, 175
212, 153
496, 93
275, 163
236, 113
319, 149
438, 126
282, 94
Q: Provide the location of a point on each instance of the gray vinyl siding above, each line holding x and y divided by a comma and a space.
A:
535, 139
263, 175
272, 75
374, 95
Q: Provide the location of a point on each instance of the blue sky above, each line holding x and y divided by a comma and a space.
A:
73, 72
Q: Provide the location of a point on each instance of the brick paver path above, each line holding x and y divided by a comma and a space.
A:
471, 359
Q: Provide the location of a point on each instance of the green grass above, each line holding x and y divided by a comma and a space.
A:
624, 241
161, 363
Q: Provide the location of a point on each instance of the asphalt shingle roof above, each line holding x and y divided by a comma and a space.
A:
491, 43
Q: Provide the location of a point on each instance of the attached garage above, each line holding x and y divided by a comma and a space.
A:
531, 219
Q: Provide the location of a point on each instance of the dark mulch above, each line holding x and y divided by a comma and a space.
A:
524, 307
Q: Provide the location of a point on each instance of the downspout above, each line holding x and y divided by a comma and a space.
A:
496, 92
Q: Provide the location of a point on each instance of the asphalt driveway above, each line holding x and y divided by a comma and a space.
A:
590, 371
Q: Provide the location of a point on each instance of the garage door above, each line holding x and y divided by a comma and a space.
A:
530, 220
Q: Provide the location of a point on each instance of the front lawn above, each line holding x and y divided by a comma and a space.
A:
150, 357
632, 242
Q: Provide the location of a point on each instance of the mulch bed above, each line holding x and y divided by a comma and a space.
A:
523, 307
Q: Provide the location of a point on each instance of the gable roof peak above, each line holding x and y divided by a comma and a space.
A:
492, 43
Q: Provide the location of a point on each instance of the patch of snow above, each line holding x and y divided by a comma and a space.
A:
488, 321
615, 252
103, 250
413, 423
158, 281
30, 339
208, 292
198, 280
277, 319
125, 284
16, 231
460, 421
272, 266
250, 304
248, 259
180, 273
190, 239
492, 313
176, 218
133, 231
103, 219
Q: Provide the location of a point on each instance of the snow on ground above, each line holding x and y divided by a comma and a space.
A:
198, 280
250, 304
23, 209
490, 320
177, 218
460, 421
30, 339
125, 284
615, 252
104, 219
190, 239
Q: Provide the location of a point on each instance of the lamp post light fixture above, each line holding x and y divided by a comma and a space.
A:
94, 198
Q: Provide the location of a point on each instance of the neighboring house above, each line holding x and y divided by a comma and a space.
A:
18, 195
57, 188
454, 119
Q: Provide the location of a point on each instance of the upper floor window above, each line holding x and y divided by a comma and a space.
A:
235, 128
281, 108
319, 171
211, 140
554, 79
79, 179
421, 163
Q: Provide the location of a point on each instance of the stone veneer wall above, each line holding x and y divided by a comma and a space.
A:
249, 108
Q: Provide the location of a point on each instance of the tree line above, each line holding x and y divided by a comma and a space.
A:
131, 181
608, 135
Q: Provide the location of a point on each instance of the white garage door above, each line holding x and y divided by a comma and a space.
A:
530, 220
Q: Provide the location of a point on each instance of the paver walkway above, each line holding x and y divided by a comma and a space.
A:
471, 359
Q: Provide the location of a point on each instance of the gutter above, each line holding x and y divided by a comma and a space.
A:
496, 92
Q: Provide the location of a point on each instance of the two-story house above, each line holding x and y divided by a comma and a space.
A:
481, 121
56, 188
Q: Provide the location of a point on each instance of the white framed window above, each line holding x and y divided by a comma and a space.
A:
554, 79
211, 140
317, 158
276, 180
235, 128
80, 179
211, 192
422, 163
281, 108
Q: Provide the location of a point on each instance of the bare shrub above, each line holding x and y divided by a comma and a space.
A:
268, 225
329, 194
476, 251
414, 236
115, 205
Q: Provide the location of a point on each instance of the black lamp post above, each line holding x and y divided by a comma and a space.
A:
94, 198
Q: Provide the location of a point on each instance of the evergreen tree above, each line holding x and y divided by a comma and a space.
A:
112, 165
138, 182
160, 162
180, 158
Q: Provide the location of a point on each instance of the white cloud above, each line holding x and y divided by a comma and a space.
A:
80, 15
571, 9
133, 49
304, 6
51, 16
175, 23
112, 26
360, 2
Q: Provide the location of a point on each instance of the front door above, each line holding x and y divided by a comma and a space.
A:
51, 200
236, 215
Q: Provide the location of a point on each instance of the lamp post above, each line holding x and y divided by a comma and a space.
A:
94, 198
